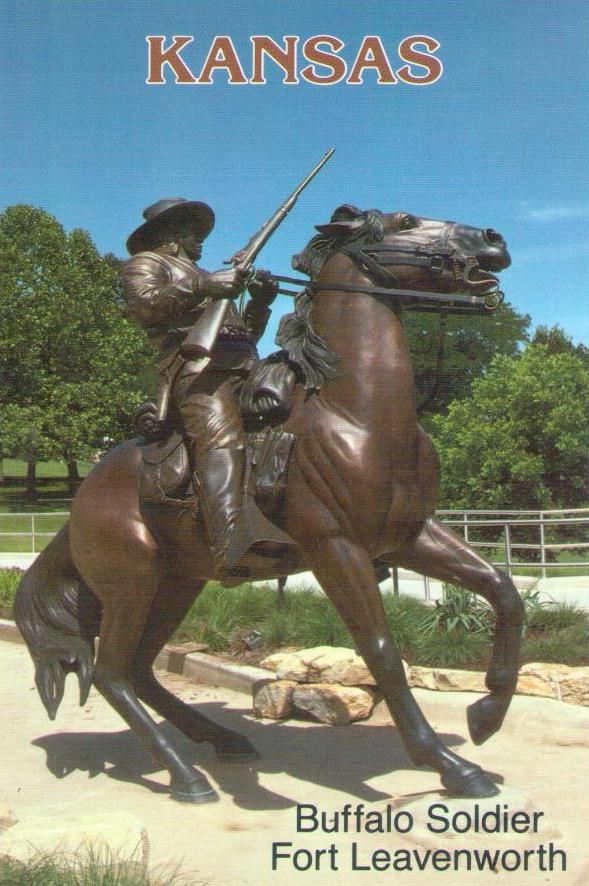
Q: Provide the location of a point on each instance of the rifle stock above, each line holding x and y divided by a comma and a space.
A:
200, 341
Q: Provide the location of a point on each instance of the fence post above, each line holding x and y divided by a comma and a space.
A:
33, 533
281, 585
395, 571
508, 549
426, 589
465, 519
542, 545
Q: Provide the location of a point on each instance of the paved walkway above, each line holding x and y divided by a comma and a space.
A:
87, 761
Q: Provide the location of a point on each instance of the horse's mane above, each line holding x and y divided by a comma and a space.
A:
305, 348
295, 333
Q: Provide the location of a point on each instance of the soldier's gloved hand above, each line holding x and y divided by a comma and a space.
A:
227, 283
263, 288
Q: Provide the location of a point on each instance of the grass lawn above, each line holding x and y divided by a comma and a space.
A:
13, 524
53, 493
14, 468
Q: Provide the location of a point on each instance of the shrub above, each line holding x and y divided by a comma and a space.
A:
9, 581
456, 632
460, 610
555, 616
451, 649
568, 645
407, 618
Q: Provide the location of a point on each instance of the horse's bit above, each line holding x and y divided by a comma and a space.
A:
438, 258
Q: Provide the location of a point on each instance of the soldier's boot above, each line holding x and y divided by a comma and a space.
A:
234, 522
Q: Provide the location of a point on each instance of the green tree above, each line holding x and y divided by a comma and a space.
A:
470, 345
558, 342
69, 359
521, 439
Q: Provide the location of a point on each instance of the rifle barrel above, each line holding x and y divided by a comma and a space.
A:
262, 236
200, 341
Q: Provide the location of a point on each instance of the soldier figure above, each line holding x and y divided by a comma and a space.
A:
166, 293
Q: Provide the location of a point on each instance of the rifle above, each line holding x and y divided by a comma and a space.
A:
200, 341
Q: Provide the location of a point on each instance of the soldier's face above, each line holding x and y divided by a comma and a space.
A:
192, 246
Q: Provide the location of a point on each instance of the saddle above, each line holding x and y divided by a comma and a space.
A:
266, 402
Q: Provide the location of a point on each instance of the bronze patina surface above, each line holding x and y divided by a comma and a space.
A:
362, 485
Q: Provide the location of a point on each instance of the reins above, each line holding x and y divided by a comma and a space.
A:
457, 303
437, 258
374, 258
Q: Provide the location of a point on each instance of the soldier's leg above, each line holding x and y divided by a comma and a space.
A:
212, 424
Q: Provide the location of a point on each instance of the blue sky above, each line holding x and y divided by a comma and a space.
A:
499, 141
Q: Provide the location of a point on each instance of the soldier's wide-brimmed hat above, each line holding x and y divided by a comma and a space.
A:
169, 215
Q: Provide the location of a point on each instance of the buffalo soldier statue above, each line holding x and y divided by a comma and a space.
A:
167, 293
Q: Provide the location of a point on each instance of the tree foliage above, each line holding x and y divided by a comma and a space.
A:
69, 359
521, 440
558, 342
471, 343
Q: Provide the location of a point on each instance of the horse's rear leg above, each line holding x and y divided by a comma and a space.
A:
438, 553
173, 600
126, 605
346, 573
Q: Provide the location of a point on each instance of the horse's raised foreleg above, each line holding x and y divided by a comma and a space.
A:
126, 606
345, 571
172, 602
438, 553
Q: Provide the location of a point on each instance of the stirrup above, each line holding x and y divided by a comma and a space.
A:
253, 528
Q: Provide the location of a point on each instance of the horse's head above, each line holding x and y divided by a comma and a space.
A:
418, 253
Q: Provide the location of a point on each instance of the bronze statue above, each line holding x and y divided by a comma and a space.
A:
361, 485
167, 294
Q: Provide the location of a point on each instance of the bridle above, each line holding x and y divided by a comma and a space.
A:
375, 259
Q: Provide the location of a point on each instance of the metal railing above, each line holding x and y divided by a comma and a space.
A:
492, 530
547, 526
22, 532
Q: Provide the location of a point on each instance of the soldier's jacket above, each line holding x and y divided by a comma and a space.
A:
159, 296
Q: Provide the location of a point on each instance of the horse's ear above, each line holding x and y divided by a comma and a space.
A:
345, 219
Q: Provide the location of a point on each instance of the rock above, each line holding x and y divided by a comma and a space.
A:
340, 666
273, 700
560, 681
529, 684
7, 818
322, 664
545, 680
333, 704
447, 679
286, 665
422, 678
122, 834
574, 688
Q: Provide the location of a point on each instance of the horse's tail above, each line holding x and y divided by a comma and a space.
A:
59, 618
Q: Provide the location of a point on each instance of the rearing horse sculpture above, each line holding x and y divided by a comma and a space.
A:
362, 484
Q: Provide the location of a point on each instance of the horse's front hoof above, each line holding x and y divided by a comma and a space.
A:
471, 782
485, 717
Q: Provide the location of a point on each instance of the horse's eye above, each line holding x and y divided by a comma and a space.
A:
407, 222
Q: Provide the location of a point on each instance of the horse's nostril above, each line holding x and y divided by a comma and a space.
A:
493, 238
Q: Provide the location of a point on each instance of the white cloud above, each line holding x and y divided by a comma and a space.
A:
556, 213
